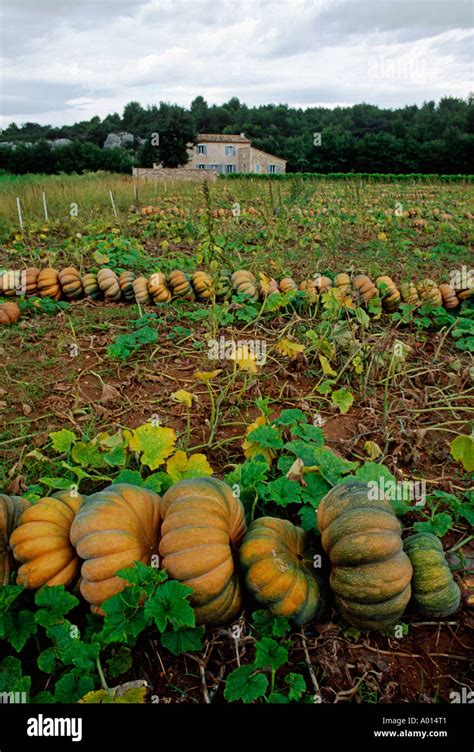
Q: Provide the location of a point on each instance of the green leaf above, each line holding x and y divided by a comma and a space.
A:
61, 483
283, 492
183, 640
290, 418
316, 489
362, 317
308, 519
309, 433
129, 476
277, 698
269, 654
143, 575
170, 605
43, 698
87, 454
8, 595
462, 450
302, 449
438, 525
467, 512
269, 625
62, 440
158, 482
375, 472
123, 620
331, 466
54, 602
266, 437
116, 457
297, 686
47, 661
325, 387
72, 686
343, 399
21, 628
11, 676
245, 685
120, 661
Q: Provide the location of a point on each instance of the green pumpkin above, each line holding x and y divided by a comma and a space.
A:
435, 594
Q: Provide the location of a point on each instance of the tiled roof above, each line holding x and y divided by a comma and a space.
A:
232, 138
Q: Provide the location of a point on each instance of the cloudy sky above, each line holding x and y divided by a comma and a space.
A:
67, 60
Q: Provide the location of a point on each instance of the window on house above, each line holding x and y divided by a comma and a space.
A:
271, 168
230, 151
201, 149
231, 168
257, 168
201, 166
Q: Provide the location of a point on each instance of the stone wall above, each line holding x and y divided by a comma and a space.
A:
173, 173
259, 157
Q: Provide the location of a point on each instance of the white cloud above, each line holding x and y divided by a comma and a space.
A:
85, 58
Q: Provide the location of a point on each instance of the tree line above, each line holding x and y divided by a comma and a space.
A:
433, 138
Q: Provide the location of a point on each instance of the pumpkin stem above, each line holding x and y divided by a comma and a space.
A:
101, 673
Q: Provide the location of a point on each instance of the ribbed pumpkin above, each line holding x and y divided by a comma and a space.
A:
434, 591
342, 282
429, 292
309, 287
9, 313
277, 560
91, 285
48, 284
322, 283
114, 528
267, 285
41, 541
140, 289
71, 283
126, 286
465, 294
371, 573
287, 283
31, 281
450, 299
11, 509
158, 288
180, 285
109, 284
202, 283
365, 287
245, 283
388, 292
203, 524
409, 293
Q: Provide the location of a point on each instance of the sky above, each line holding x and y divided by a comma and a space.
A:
62, 61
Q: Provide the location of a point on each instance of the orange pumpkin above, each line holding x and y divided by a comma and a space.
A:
48, 284
11, 509
9, 313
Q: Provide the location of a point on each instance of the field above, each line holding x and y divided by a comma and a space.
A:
283, 398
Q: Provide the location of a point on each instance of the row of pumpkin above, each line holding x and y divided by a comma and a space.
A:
198, 534
160, 288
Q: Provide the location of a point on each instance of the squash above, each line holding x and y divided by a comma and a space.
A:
371, 573
41, 541
366, 288
429, 292
140, 289
277, 560
158, 288
126, 280
48, 284
91, 285
11, 509
342, 282
409, 293
203, 524
180, 285
224, 285
322, 283
109, 284
71, 283
31, 281
388, 292
309, 287
449, 297
203, 285
435, 592
9, 313
244, 283
465, 294
114, 528
287, 283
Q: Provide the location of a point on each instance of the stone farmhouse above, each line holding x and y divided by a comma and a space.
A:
231, 153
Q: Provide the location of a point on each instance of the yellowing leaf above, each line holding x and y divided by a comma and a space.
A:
251, 448
288, 348
264, 282
372, 449
180, 466
326, 366
462, 449
206, 376
154, 443
382, 236
245, 359
186, 398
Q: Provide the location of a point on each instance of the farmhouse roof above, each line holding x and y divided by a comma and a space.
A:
232, 138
